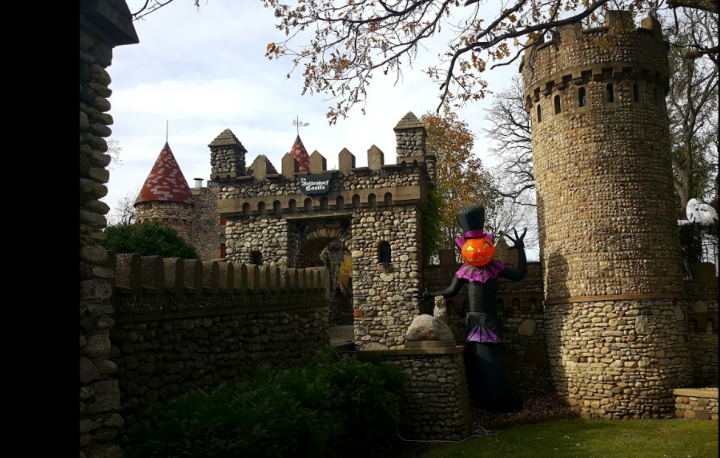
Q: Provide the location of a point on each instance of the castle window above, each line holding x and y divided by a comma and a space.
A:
372, 201
558, 109
277, 208
384, 252
257, 258
610, 93
292, 205
539, 114
340, 202
261, 208
636, 93
223, 221
324, 203
223, 251
308, 204
356, 201
388, 199
246, 209
582, 98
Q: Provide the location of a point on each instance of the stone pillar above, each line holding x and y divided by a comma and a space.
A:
227, 156
614, 303
410, 136
104, 24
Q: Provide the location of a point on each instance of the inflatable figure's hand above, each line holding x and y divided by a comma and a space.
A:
518, 240
423, 296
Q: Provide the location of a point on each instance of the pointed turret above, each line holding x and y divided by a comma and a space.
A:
300, 154
166, 182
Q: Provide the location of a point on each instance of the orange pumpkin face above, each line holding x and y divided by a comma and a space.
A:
478, 252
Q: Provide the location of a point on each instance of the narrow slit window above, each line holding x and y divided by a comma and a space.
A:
539, 114
610, 93
558, 108
582, 98
384, 252
636, 93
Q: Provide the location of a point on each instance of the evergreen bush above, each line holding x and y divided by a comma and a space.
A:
148, 239
325, 408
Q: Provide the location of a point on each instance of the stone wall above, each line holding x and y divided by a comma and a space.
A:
618, 359
436, 393
702, 297
694, 404
207, 231
183, 324
382, 292
177, 215
104, 24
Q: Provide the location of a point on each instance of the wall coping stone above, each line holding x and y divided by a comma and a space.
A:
697, 392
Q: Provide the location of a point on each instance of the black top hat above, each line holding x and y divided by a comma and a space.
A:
471, 217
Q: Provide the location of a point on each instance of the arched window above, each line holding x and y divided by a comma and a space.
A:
558, 109
582, 98
277, 208
246, 209
610, 93
257, 258
372, 201
308, 204
261, 208
636, 93
384, 252
340, 202
539, 114
388, 199
356, 201
293, 206
324, 203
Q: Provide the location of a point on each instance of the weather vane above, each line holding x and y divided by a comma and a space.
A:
298, 124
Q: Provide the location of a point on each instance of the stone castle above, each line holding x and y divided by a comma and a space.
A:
605, 318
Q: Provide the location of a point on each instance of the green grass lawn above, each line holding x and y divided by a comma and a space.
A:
592, 439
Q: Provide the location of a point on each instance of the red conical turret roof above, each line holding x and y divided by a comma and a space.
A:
166, 182
300, 154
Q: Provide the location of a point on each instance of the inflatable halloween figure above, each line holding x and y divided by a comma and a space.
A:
489, 380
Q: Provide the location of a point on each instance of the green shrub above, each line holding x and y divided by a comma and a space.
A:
148, 239
326, 408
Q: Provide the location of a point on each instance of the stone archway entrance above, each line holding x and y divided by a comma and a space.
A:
324, 242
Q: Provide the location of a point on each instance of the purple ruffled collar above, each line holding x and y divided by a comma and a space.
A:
489, 271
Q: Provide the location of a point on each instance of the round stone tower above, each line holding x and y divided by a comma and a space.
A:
610, 247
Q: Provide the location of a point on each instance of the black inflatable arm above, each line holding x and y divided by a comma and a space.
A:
521, 271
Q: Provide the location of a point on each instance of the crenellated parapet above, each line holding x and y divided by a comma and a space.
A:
146, 284
263, 191
618, 51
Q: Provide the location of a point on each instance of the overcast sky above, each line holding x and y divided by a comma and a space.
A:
205, 71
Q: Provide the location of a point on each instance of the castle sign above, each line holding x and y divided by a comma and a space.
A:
314, 184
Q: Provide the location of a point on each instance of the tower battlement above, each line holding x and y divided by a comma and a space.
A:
616, 51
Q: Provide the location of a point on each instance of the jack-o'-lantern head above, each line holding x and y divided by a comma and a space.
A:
478, 251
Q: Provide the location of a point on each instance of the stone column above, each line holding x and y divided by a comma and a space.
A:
104, 24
